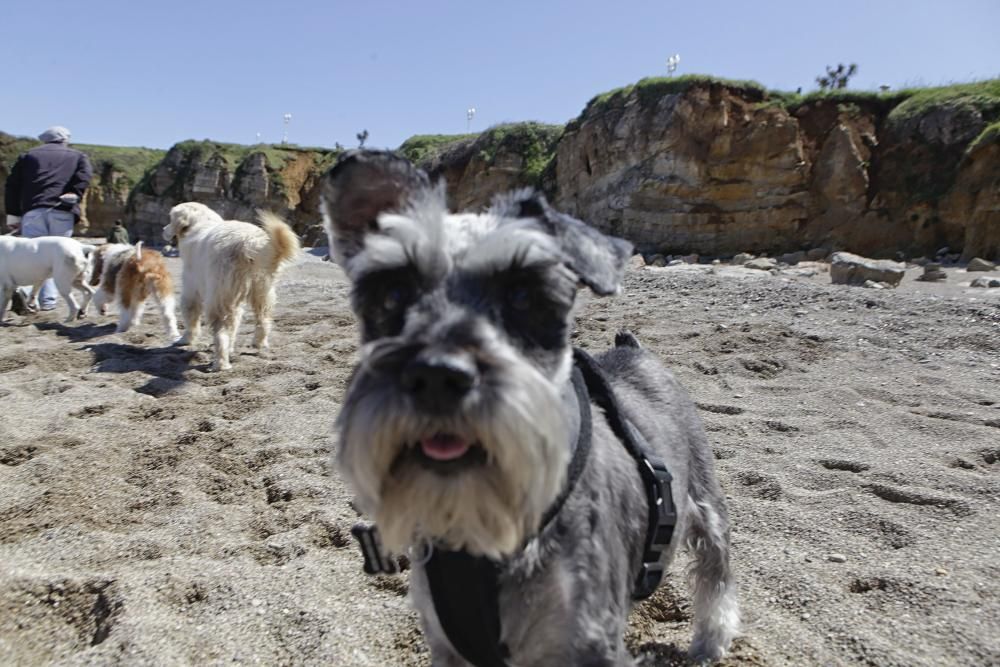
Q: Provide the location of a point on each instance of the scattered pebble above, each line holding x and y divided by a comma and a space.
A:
836, 558
941, 572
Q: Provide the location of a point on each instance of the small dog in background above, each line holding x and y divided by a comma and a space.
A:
33, 261
128, 276
227, 263
468, 431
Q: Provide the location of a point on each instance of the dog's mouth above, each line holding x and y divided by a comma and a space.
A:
444, 453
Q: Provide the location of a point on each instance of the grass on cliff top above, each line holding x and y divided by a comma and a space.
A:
989, 135
421, 147
900, 105
535, 142
653, 88
131, 161
233, 154
983, 96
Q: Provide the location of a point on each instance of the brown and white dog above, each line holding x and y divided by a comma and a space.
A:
226, 263
128, 276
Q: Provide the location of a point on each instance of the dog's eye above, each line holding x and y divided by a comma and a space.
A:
393, 298
519, 298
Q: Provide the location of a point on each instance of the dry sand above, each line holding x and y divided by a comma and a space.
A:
153, 512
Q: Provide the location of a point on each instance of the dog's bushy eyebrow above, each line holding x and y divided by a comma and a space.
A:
512, 245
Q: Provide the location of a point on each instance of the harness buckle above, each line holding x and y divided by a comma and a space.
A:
377, 560
661, 529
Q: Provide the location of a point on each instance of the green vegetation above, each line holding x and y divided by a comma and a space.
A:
233, 154
534, 142
277, 156
989, 135
983, 96
421, 147
653, 88
131, 162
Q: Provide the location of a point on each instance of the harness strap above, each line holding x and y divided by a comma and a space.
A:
655, 477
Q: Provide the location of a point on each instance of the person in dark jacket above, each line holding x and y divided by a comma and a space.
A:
44, 189
118, 233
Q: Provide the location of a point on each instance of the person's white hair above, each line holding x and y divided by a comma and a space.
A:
57, 134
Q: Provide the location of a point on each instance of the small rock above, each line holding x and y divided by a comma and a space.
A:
637, 262
980, 282
980, 264
806, 616
933, 273
942, 251
941, 572
657, 260
871, 284
836, 558
690, 259
920, 261
994, 283
716, 261
742, 258
817, 254
792, 258
761, 264
675, 262
849, 269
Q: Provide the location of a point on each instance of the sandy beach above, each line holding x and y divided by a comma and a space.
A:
152, 512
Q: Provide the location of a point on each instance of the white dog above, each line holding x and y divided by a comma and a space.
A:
128, 276
226, 263
33, 261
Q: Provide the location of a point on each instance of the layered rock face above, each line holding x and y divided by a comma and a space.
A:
234, 188
716, 170
708, 171
503, 158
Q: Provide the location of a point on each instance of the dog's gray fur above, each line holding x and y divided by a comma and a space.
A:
493, 293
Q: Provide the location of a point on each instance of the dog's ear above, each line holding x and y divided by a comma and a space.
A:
363, 184
598, 260
183, 215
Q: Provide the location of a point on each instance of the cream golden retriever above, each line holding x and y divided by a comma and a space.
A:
225, 264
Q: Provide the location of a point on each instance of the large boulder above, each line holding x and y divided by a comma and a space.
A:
850, 269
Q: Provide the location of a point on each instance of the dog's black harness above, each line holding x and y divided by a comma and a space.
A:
466, 588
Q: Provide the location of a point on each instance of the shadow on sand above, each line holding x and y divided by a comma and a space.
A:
166, 365
77, 333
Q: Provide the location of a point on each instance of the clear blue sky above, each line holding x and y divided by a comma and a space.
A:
139, 73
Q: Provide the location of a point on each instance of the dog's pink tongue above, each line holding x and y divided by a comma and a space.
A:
444, 447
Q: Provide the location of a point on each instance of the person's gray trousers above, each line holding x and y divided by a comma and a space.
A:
47, 222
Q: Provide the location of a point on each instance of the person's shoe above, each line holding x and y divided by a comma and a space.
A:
47, 306
18, 303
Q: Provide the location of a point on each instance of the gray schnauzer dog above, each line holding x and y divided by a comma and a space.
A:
539, 490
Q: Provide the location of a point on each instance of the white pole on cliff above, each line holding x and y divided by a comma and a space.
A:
672, 63
470, 113
284, 137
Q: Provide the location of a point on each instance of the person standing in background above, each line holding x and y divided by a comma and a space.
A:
118, 233
44, 190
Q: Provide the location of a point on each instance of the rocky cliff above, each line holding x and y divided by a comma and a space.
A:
699, 165
235, 181
680, 165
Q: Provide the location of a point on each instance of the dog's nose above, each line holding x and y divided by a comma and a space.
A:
437, 383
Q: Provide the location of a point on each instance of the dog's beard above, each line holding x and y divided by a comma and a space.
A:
488, 507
